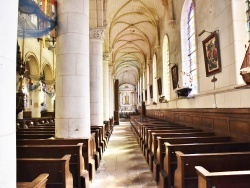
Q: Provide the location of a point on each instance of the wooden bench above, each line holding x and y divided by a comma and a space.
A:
170, 158
30, 131
57, 168
102, 137
151, 144
185, 174
146, 132
86, 152
99, 143
77, 166
34, 136
225, 179
39, 182
160, 164
151, 151
93, 152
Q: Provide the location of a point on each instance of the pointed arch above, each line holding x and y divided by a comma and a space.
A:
188, 39
166, 69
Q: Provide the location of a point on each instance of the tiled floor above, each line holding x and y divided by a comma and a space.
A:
123, 164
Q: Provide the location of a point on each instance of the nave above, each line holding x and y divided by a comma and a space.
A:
123, 164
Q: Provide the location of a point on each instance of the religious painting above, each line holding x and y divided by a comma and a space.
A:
212, 54
175, 77
159, 86
126, 100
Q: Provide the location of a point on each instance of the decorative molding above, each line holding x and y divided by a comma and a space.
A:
97, 33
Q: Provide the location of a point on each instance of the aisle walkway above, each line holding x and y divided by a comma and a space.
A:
123, 164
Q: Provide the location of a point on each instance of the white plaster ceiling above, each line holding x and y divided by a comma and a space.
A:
132, 35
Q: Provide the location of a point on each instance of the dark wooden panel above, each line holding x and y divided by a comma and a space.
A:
239, 127
207, 122
197, 121
221, 124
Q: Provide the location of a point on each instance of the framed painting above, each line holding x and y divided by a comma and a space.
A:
212, 54
175, 77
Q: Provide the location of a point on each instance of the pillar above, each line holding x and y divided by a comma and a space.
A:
8, 39
106, 87
72, 114
116, 102
111, 91
96, 76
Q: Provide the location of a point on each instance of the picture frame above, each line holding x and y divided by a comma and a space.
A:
175, 76
212, 54
159, 86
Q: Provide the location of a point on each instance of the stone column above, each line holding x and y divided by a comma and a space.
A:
116, 102
72, 117
8, 39
96, 76
106, 87
111, 91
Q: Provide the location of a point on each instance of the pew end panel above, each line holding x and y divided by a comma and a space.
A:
228, 179
57, 168
39, 182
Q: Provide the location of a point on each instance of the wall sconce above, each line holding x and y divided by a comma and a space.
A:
204, 31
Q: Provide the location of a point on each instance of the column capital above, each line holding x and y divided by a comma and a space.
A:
106, 56
97, 33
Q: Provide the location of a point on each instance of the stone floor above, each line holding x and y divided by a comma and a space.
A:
123, 164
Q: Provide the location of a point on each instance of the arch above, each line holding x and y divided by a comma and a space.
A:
166, 68
32, 64
188, 38
47, 71
155, 88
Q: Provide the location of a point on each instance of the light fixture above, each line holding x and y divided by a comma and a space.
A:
204, 31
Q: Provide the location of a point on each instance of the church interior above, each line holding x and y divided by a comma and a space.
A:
125, 93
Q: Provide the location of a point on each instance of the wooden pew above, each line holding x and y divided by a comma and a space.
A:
146, 131
93, 152
185, 175
189, 148
34, 136
98, 139
57, 168
151, 143
30, 131
77, 167
102, 137
225, 179
151, 151
39, 182
161, 172
89, 161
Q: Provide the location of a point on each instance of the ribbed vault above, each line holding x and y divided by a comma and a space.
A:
132, 35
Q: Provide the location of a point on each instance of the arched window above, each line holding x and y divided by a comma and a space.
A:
189, 64
155, 88
248, 17
166, 69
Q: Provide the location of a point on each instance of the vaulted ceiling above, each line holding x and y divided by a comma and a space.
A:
131, 36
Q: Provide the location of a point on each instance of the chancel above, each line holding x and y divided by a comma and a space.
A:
124, 93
